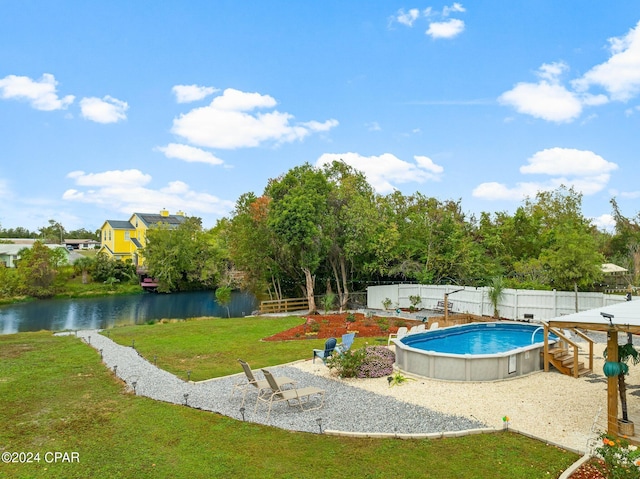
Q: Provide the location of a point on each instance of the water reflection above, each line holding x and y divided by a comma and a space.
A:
71, 314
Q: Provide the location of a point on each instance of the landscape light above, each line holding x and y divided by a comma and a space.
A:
186, 397
242, 412
319, 421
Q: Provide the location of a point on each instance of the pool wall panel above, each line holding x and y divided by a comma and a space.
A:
465, 367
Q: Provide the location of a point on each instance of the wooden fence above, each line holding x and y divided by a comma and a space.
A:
284, 305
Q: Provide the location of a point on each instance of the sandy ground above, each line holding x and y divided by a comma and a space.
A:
553, 407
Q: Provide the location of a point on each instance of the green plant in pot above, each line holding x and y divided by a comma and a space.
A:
626, 353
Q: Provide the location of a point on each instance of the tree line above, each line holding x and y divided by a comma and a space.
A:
53, 233
318, 230
325, 230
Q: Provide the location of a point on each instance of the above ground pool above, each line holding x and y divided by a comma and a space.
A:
473, 352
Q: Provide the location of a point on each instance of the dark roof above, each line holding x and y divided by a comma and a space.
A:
136, 242
120, 225
155, 218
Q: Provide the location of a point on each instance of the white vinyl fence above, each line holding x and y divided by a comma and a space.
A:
515, 303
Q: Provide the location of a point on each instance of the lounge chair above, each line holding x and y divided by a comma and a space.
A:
434, 325
329, 347
347, 341
259, 384
277, 395
402, 332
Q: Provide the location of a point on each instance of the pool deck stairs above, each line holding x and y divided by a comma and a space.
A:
564, 354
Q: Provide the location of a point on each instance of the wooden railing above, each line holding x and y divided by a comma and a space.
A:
284, 305
550, 359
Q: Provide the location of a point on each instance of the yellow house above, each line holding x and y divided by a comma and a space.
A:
123, 239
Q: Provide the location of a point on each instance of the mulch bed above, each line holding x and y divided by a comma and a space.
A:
335, 325
587, 471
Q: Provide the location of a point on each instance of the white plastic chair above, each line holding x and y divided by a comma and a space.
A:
402, 332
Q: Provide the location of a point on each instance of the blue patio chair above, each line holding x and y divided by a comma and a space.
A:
347, 341
329, 347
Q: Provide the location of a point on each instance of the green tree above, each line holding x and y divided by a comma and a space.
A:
83, 266
54, 233
9, 282
253, 247
572, 259
182, 258
624, 245
105, 267
348, 223
38, 269
436, 242
223, 296
298, 214
569, 252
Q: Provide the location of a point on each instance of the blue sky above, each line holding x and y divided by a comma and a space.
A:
110, 108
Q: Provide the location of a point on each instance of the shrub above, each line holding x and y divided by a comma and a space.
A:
314, 326
378, 362
367, 362
351, 318
348, 363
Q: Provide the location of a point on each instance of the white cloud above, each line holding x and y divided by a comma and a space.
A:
118, 190
189, 93
620, 75
549, 101
604, 222
583, 170
567, 161
105, 110
124, 178
631, 195
41, 94
236, 100
449, 29
455, 8
552, 71
498, 191
385, 170
407, 18
373, 126
189, 154
228, 122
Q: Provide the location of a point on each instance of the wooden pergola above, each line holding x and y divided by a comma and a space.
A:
623, 317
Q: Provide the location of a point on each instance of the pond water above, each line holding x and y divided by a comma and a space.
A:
105, 312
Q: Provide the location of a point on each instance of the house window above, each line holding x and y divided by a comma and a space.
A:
109, 235
127, 235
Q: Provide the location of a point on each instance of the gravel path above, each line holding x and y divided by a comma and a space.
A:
563, 410
346, 408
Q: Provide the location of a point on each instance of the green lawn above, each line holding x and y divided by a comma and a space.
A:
56, 396
210, 347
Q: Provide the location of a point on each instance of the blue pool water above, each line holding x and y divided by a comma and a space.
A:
477, 338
